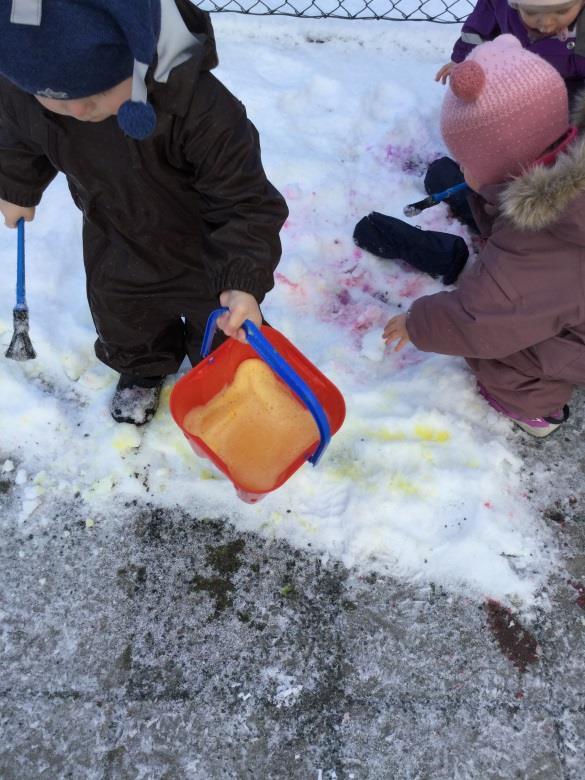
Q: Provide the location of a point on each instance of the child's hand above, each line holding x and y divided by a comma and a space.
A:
443, 73
12, 213
242, 306
395, 330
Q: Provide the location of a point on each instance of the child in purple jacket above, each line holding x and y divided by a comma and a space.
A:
554, 29
518, 315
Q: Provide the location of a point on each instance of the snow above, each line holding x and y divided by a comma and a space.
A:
422, 481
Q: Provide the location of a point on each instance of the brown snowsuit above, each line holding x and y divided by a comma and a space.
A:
169, 222
518, 314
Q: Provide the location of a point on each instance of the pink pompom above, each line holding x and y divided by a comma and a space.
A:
467, 80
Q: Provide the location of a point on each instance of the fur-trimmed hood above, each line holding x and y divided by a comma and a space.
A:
539, 197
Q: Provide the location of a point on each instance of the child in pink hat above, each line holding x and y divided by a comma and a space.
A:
553, 29
518, 315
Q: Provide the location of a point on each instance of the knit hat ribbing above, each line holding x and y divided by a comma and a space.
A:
72, 49
504, 107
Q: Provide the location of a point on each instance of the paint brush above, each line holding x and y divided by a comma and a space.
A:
431, 200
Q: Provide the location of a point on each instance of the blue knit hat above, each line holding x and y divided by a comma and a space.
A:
71, 49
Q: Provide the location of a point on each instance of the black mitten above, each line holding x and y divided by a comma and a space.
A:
437, 254
443, 174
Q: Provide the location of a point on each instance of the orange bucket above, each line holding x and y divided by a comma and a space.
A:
217, 370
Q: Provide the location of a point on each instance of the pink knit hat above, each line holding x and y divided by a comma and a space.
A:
505, 106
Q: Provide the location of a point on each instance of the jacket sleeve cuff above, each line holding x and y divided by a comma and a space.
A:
460, 51
19, 198
257, 284
418, 326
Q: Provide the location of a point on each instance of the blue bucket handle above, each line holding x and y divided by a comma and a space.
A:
279, 365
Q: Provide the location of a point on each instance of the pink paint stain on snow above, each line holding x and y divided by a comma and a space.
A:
294, 287
408, 358
285, 280
371, 317
344, 297
353, 301
359, 278
353, 315
399, 152
409, 160
412, 288
292, 192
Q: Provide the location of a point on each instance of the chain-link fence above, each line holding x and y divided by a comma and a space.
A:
396, 10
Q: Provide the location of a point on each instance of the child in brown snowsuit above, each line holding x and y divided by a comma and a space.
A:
178, 215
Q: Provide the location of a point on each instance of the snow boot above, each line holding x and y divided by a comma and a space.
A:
543, 426
136, 399
535, 426
442, 174
437, 254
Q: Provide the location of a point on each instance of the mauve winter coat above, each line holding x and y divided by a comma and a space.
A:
169, 222
518, 313
491, 18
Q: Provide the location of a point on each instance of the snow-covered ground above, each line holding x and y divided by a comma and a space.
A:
422, 481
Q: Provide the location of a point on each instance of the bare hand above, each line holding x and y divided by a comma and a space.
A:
395, 330
242, 306
443, 73
13, 213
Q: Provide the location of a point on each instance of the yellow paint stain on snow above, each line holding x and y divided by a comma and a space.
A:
126, 439
385, 435
352, 471
426, 454
165, 394
272, 522
426, 433
102, 486
182, 448
306, 524
207, 474
403, 485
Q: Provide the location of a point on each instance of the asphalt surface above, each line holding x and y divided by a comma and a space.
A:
161, 645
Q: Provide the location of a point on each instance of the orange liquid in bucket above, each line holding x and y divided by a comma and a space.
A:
255, 425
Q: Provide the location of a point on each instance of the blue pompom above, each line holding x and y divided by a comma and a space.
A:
137, 120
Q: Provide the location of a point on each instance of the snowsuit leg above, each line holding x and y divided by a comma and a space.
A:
518, 384
196, 315
140, 330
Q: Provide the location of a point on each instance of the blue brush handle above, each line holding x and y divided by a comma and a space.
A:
439, 196
279, 365
20, 283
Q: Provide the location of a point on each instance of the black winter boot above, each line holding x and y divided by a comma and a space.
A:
442, 174
437, 254
136, 398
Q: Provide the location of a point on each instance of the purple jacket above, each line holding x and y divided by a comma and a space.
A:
491, 18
